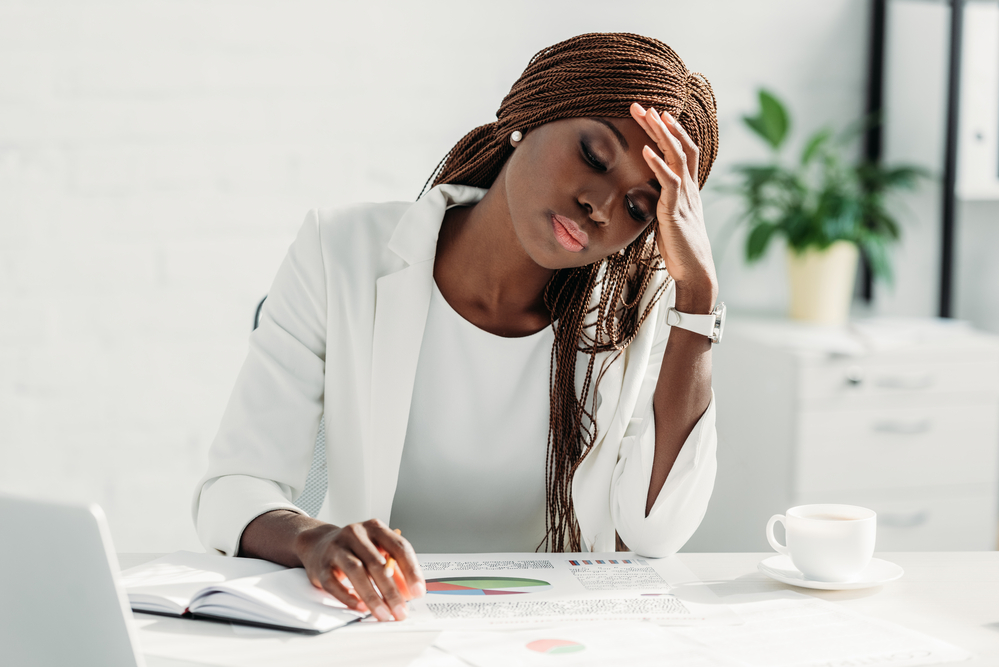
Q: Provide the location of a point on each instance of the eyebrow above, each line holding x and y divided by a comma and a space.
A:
653, 183
617, 133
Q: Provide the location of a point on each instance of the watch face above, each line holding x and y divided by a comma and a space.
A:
719, 323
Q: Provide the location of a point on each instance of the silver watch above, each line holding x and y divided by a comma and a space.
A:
711, 325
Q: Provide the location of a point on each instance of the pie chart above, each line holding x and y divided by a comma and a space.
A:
485, 586
555, 646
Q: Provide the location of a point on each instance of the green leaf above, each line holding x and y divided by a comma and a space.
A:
904, 177
758, 240
856, 128
815, 144
771, 121
877, 257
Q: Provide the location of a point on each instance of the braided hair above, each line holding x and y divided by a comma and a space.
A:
594, 308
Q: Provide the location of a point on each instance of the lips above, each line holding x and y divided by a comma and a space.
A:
568, 233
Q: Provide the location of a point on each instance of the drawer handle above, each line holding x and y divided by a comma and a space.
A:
906, 381
904, 520
903, 427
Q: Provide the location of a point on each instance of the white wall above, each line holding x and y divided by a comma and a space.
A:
156, 159
977, 271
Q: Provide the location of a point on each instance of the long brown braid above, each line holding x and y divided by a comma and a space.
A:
597, 74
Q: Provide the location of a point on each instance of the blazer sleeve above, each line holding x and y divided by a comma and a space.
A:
683, 500
261, 455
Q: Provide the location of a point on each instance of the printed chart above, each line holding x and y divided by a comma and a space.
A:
470, 592
485, 586
555, 646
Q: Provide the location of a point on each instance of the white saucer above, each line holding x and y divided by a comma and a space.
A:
878, 572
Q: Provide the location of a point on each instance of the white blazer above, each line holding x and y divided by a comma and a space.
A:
340, 334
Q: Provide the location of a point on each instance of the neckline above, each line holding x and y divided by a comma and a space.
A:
437, 294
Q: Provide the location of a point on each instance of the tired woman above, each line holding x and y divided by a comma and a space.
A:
519, 360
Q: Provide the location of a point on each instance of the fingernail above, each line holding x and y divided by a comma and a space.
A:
419, 589
640, 107
668, 117
382, 613
361, 607
399, 611
652, 110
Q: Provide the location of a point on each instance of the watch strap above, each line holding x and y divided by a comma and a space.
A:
708, 325
702, 324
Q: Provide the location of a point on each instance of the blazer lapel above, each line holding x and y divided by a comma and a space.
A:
402, 300
400, 318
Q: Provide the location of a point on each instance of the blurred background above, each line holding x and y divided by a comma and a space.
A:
157, 158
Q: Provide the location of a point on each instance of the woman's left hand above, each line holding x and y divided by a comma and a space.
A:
683, 238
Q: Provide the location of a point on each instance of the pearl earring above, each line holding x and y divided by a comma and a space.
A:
515, 136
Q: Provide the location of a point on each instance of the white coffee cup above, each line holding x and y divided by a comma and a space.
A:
827, 542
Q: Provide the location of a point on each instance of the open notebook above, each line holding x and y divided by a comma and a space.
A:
242, 590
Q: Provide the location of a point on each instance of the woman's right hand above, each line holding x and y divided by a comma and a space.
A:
334, 556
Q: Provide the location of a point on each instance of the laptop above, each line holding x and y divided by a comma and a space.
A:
60, 600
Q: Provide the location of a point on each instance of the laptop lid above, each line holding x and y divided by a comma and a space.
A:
61, 604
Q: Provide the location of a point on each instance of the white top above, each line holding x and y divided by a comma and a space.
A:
340, 335
472, 477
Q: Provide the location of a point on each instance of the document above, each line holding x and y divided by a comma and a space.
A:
781, 629
788, 629
479, 590
632, 644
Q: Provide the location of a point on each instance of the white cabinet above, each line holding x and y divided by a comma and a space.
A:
901, 416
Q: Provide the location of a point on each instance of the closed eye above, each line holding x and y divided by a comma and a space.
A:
636, 212
591, 158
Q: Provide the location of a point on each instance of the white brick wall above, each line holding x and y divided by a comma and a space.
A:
156, 158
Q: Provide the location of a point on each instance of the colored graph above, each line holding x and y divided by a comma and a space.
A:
485, 586
555, 646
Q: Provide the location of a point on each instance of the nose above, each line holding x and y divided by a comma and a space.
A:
598, 204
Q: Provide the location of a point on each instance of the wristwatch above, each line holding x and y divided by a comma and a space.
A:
711, 325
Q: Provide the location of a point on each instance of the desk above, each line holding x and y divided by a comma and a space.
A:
953, 596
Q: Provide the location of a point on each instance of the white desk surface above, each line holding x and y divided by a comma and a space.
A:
953, 596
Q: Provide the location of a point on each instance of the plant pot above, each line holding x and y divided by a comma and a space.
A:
822, 283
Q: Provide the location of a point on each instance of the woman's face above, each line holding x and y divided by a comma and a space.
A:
579, 190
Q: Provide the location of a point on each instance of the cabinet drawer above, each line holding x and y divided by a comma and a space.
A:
855, 382
898, 448
961, 523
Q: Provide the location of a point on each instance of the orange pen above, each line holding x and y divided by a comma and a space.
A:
392, 571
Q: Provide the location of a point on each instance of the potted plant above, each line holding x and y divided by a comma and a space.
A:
827, 210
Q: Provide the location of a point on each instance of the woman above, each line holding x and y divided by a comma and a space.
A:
522, 301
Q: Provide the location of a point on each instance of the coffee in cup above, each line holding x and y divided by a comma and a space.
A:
827, 542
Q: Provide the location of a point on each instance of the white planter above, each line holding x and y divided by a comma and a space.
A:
822, 283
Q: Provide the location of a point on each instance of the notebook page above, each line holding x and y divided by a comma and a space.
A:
168, 584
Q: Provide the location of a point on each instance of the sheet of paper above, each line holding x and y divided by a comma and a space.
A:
599, 645
789, 629
435, 657
230, 645
470, 591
